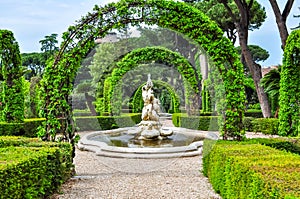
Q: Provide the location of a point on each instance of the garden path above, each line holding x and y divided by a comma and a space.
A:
102, 177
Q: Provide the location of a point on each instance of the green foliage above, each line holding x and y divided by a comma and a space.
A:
107, 122
243, 170
148, 55
284, 144
204, 123
248, 123
29, 128
271, 84
217, 12
35, 170
256, 113
79, 39
289, 103
12, 95
266, 125
138, 103
258, 53
35, 64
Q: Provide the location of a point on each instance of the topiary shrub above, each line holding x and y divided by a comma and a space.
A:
267, 126
107, 122
254, 113
289, 92
242, 170
31, 168
29, 128
204, 123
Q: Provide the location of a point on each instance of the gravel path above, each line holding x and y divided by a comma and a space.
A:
102, 177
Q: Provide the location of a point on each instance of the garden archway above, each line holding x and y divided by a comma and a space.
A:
149, 55
179, 16
138, 103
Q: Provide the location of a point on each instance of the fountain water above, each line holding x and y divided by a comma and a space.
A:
148, 139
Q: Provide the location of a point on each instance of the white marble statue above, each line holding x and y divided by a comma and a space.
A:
150, 126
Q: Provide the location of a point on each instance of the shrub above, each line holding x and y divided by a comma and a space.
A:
33, 171
254, 113
285, 144
205, 123
266, 125
107, 122
248, 123
27, 129
243, 170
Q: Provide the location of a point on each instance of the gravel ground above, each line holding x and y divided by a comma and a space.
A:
102, 177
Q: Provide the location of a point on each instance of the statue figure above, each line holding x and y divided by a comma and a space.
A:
151, 104
150, 126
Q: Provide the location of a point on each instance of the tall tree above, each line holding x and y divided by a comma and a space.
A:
12, 95
35, 64
49, 43
281, 18
236, 18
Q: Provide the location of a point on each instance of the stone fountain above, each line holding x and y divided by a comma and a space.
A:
149, 139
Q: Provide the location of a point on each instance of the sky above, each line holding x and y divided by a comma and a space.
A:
32, 20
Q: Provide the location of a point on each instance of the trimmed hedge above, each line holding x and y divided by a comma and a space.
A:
27, 129
266, 125
205, 123
34, 171
254, 113
243, 170
107, 122
285, 144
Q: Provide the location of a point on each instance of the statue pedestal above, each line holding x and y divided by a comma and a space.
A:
150, 130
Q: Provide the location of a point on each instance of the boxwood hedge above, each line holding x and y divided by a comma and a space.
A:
30, 168
245, 170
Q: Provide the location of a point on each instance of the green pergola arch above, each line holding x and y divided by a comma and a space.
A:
289, 98
148, 55
179, 16
137, 102
139, 56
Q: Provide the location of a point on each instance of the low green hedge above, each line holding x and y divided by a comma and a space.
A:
204, 123
285, 144
34, 171
107, 122
254, 113
266, 125
27, 129
243, 170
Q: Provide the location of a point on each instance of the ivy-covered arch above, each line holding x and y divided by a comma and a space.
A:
149, 55
137, 102
289, 98
140, 56
179, 16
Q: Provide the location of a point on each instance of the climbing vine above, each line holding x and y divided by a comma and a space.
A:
79, 39
138, 103
289, 93
12, 95
159, 55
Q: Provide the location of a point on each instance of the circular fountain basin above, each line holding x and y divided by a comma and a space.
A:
121, 143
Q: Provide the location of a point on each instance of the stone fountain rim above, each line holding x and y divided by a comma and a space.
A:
103, 149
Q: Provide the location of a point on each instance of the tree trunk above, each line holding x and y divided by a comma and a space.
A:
281, 19
89, 100
255, 70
